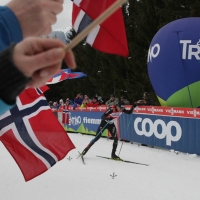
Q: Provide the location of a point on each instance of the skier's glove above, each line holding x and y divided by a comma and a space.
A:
109, 111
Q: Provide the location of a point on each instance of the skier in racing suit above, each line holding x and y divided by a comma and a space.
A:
107, 122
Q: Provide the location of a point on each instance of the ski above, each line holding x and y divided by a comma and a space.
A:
82, 159
127, 161
80, 155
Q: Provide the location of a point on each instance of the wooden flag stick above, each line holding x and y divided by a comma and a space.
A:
109, 11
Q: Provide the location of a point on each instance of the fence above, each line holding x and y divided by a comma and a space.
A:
164, 127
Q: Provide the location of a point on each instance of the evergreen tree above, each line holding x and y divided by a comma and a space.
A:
108, 74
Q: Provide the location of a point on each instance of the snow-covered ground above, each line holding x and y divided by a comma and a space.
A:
168, 177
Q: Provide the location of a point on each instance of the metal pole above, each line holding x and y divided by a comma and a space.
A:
126, 132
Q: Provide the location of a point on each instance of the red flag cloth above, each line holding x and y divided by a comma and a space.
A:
110, 36
65, 74
65, 115
33, 135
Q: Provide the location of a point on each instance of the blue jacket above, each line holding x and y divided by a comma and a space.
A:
10, 32
78, 101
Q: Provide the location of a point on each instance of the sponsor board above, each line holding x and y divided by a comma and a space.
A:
168, 111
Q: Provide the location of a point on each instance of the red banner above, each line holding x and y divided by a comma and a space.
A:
168, 111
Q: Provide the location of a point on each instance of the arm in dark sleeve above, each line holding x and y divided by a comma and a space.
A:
128, 111
108, 118
106, 115
10, 30
150, 103
12, 81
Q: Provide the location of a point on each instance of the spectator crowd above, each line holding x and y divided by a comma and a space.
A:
83, 101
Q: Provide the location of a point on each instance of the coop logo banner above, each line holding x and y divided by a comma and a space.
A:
153, 52
190, 50
140, 126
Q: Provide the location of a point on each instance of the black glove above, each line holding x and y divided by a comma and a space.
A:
109, 111
134, 105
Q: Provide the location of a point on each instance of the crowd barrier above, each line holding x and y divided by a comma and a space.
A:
164, 127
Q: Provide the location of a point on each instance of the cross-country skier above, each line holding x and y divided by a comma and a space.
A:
107, 122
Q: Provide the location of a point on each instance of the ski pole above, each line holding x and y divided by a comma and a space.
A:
126, 132
100, 131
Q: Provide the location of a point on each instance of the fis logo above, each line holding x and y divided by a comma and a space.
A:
190, 50
153, 52
74, 120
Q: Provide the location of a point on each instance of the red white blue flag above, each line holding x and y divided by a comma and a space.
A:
33, 135
108, 37
65, 74
65, 116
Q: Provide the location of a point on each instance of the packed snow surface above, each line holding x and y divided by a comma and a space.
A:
170, 175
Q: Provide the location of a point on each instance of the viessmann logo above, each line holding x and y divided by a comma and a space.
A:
153, 129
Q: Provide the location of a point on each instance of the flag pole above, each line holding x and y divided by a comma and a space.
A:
109, 11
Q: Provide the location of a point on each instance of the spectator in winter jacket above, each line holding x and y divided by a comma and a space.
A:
50, 104
85, 101
70, 101
61, 103
145, 101
112, 101
78, 100
93, 103
54, 106
67, 104
124, 101
100, 99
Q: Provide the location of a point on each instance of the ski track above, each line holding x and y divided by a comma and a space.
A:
168, 176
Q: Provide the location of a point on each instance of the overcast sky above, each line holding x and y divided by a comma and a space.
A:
63, 19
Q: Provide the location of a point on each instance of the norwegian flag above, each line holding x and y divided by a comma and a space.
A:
36, 92
110, 36
65, 74
65, 116
33, 135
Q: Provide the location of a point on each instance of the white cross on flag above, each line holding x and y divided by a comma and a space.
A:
109, 36
33, 135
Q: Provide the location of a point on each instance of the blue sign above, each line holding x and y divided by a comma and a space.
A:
180, 134
84, 122
167, 132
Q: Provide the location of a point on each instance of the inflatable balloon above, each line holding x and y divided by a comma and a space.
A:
174, 63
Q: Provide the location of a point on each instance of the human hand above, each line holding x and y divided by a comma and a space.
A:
41, 58
141, 102
36, 16
109, 111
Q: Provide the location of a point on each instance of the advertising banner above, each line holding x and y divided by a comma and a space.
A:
180, 134
84, 122
164, 127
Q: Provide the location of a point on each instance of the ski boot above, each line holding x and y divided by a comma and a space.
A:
84, 151
115, 157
